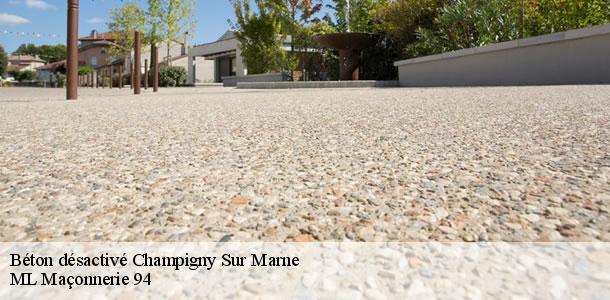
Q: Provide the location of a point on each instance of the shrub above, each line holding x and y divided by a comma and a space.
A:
26, 75
61, 80
170, 76
84, 70
3, 61
473, 23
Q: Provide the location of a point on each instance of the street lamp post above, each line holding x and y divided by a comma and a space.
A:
72, 45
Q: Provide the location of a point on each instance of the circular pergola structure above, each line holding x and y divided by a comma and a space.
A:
349, 45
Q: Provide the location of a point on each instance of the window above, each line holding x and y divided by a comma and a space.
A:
94, 61
103, 51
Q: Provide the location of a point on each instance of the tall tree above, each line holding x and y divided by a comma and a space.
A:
353, 15
27, 49
295, 15
124, 22
259, 34
3, 61
48, 53
170, 21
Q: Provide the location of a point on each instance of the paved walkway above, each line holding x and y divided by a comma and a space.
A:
506, 163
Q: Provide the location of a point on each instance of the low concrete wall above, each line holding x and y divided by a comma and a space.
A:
316, 84
270, 77
579, 56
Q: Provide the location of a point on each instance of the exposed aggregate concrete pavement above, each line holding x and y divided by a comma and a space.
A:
197, 164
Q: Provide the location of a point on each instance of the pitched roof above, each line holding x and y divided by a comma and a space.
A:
53, 66
23, 59
97, 36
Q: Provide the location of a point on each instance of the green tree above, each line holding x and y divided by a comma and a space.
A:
124, 22
3, 61
48, 53
546, 16
399, 20
85, 70
27, 49
260, 36
354, 15
170, 21
295, 15
52, 53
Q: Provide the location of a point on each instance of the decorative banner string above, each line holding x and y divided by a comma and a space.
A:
31, 34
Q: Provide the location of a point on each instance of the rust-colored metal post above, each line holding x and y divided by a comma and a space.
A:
72, 45
131, 74
146, 74
137, 68
120, 76
155, 67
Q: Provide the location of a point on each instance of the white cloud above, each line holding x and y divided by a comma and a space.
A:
8, 19
95, 20
40, 4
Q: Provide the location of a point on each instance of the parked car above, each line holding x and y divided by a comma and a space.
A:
8, 79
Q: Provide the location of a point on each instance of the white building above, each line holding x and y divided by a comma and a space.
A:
224, 56
178, 57
24, 62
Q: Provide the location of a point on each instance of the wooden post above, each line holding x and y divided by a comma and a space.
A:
146, 74
111, 71
137, 68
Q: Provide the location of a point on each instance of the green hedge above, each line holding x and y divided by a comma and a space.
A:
26, 75
170, 76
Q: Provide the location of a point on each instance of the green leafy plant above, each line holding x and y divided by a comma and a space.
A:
472, 23
170, 21
85, 70
61, 80
3, 61
260, 36
171, 76
124, 22
48, 53
25, 75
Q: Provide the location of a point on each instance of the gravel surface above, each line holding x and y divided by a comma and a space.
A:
197, 164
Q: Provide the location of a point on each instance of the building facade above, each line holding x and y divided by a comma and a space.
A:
94, 50
220, 59
24, 62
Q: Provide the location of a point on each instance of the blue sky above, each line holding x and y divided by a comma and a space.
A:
44, 21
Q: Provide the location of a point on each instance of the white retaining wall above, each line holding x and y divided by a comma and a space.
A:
579, 56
